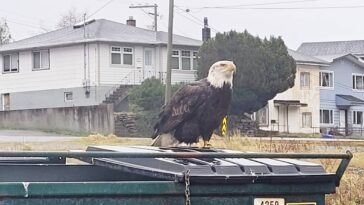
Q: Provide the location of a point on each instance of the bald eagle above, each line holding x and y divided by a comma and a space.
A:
196, 109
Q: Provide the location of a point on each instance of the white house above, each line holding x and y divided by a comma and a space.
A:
79, 65
296, 110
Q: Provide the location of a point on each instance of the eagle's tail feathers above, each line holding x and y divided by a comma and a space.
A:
165, 140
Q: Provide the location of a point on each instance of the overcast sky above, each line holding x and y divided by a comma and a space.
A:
296, 21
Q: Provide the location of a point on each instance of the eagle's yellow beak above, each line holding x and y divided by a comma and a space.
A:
230, 67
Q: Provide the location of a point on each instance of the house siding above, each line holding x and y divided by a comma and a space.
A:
66, 70
309, 96
74, 67
343, 71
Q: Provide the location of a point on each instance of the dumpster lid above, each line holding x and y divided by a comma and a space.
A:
211, 170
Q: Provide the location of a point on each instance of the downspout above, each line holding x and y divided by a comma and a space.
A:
287, 120
346, 123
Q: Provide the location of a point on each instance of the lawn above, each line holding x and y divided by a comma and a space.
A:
349, 192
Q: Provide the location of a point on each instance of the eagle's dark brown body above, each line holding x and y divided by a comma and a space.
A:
194, 111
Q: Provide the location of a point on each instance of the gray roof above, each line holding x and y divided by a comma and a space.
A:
305, 59
352, 58
334, 48
99, 30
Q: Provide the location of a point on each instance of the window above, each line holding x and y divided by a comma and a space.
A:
358, 82
194, 64
11, 63
357, 117
186, 60
175, 60
326, 116
41, 60
262, 116
115, 55
124, 55
306, 119
326, 79
128, 56
68, 96
305, 79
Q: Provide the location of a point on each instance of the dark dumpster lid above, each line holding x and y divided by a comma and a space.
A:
212, 170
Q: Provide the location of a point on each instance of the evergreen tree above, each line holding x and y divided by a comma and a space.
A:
264, 67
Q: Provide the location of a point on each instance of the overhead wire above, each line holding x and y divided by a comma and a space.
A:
255, 4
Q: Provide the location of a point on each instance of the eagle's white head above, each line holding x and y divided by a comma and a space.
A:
221, 72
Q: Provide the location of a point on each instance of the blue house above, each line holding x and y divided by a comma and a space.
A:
341, 85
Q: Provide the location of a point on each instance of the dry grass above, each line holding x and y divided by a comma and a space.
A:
349, 192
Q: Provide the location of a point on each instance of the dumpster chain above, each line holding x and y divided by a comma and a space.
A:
187, 187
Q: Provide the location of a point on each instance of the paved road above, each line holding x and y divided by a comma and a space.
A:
32, 136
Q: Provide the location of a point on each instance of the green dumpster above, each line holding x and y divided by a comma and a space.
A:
149, 175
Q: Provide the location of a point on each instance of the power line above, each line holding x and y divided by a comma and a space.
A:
99, 9
197, 22
256, 4
300, 8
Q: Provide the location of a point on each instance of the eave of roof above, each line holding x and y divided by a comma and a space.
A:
303, 59
352, 58
100, 30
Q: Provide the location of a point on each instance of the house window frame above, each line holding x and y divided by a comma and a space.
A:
303, 80
178, 56
122, 52
66, 98
355, 117
128, 53
320, 79
192, 56
331, 119
304, 115
189, 57
353, 78
40, 60
11, 70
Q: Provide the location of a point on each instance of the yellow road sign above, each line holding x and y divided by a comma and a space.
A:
224, 126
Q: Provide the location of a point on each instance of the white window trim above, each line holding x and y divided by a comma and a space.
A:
122, 52
193, 57
126, 52
357, 74
333, 116
333, 79
303, 113
180, 57
11, 61
65, 96
40, 60
352, 118
309, 80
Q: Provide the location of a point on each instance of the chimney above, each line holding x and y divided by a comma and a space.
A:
206, 31
131, 21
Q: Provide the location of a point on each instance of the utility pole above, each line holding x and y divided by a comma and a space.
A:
155, 14
169, 53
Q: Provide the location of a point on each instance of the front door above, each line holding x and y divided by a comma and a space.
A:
149, 64
343, 124
342, 120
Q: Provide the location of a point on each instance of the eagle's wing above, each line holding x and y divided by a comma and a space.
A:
181, 107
